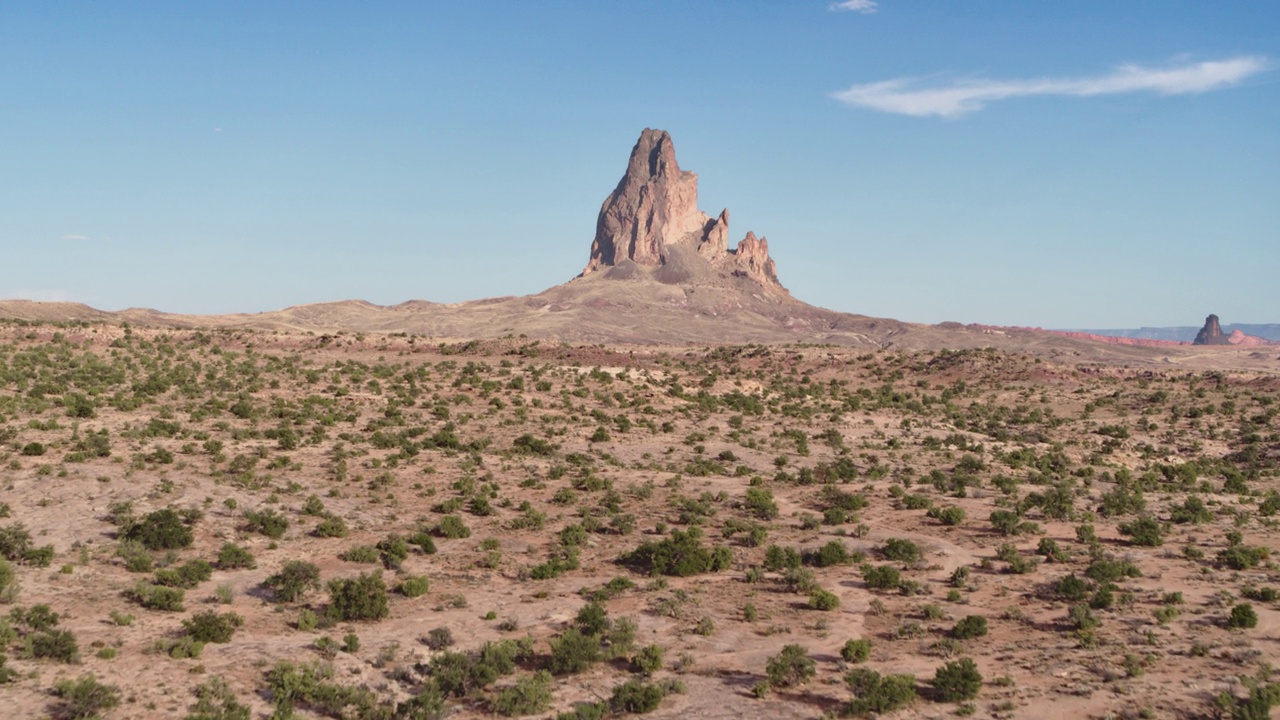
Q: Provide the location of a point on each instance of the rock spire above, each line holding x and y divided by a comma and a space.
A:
652, 217
1211, 333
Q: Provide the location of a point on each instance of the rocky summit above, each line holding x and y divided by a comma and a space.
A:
1211, 333
650, 226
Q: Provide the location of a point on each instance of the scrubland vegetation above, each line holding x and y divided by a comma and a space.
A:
191, 519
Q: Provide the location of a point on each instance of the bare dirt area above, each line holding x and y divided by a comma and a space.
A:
225, 522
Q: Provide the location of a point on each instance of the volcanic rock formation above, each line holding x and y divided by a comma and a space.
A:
1211, 333
650, 225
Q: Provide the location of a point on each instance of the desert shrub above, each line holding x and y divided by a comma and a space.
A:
295, 579
216, 701
331, 526
160, 530
209, 626
760, 503
950, 516
1072, 587
970, 626
428, 704
186, 575
8, 582
881, 577
438, 638
1243, 557
1242, 617
393, 550
682, 555
1143, 531
1049, 548
649, 659
778, 558
573, 652
232, 557
821, 599
16, 545
1111, 570
453, 527
637, 696
1192, 510
85, 698
899, 550
179, 648
51, 644
530, 695
874, 693
856, 651
36, 617
361, 598
957, 680
158, 597
1081, 618
530, 445
414, 586
833, 553
267, 522
424, 542
792, 666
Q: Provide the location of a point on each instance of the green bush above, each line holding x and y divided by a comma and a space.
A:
649, 659
179, 648
9, 586
1143, 531
970, 626
1072, 588
57, 645
16, 545
362, 598
331, 526
414, 586
874, 693
1242, 617
833, 553
216, 701
530, 695
232, 557
881, 577
856, 651
760, 503
366, 554
573, 652
85, 698
821, 599
158, 597
1243, 557
186, 575
452, 527
958, 680
899, 550
209, 626
949, 516
295, 579
637, 696
160, 530
682, 554
267, 522
792, 666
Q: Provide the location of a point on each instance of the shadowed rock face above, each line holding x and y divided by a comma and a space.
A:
651, 219
1211, 333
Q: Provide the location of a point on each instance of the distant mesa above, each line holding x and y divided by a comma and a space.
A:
650, 227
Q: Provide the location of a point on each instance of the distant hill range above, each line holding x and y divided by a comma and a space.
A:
1270, 331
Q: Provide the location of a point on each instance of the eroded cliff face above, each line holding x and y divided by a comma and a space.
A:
652, 217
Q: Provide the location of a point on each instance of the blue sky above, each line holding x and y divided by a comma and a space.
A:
1081, 164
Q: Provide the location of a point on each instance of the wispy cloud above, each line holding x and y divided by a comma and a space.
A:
910, 96
866, 7
76, 237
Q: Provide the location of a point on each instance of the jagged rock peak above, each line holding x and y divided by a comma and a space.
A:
1211, 333
652, 216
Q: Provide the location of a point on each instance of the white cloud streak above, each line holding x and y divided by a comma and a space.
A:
866, 7
909, 96
75, 237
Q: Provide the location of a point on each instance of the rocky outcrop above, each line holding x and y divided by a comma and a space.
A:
651, 220
1211, 333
